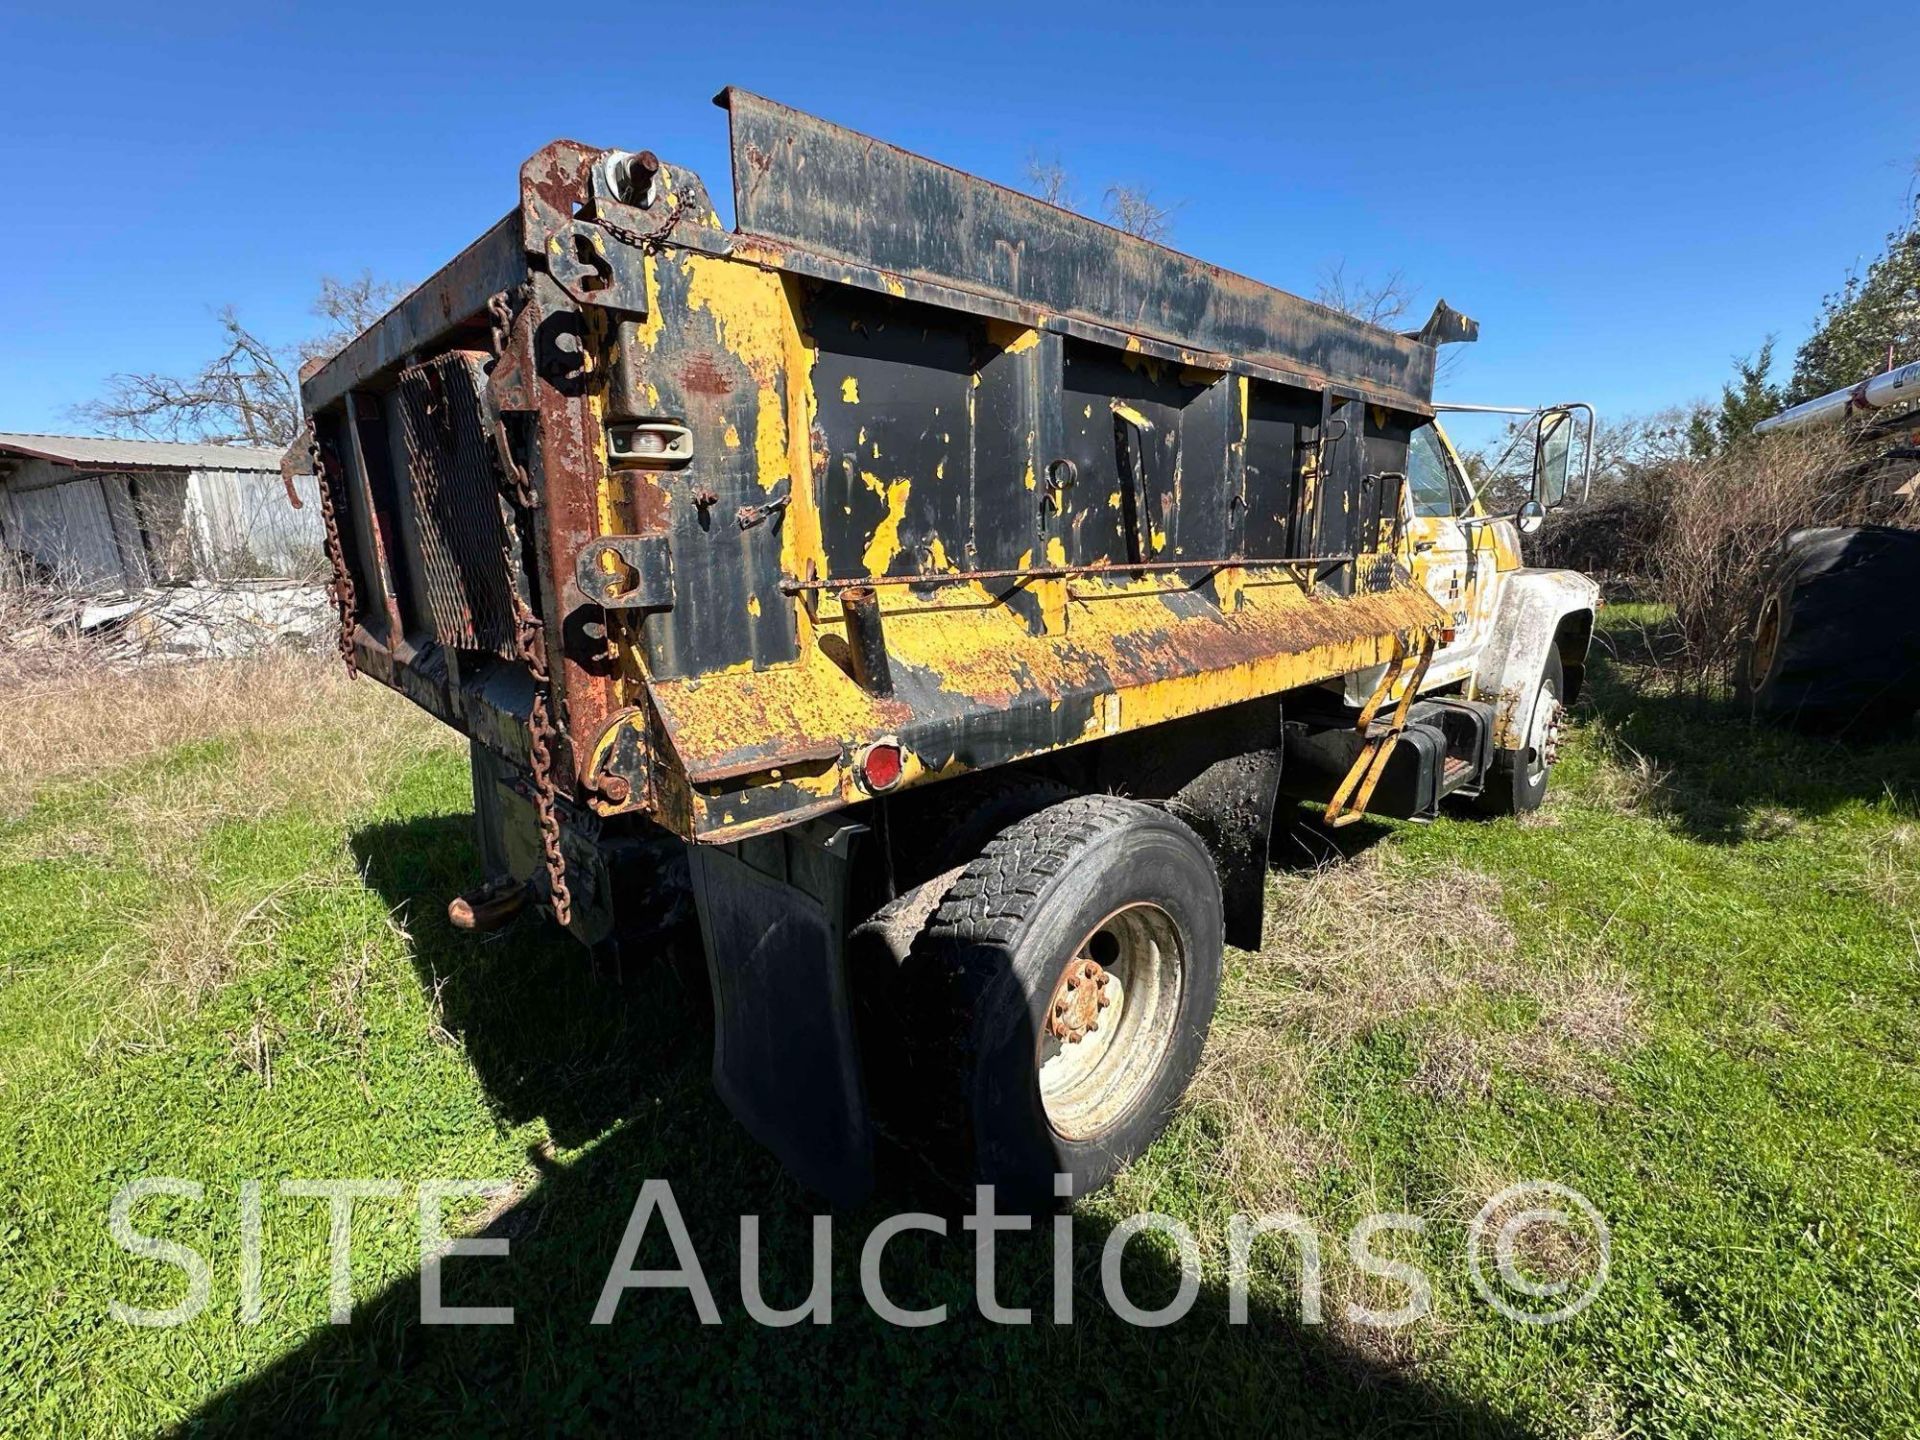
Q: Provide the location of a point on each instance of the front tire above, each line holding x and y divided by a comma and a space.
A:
1517, 780
1063, 993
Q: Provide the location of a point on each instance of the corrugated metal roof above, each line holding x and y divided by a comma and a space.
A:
98, 451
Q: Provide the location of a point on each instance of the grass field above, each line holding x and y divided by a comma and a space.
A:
1686, 988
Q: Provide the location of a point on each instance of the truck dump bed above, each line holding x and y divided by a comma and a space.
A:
681, 520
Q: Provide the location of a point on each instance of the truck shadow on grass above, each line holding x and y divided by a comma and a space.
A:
616, 1069
1723, 777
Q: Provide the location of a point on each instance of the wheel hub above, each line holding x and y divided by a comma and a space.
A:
1544, 731
1082, 994
1110, 1021
1550, 742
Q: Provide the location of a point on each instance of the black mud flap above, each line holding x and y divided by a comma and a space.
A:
784, 1056
1220, 773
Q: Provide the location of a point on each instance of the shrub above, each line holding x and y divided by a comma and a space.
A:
1726, 515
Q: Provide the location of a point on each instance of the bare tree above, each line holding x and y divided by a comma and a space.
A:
1356, 295
248, 394
1133, 209
1048, 179
348, 307
245, 395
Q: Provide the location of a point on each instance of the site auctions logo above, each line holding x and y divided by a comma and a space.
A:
1568, 1236
1548, 1242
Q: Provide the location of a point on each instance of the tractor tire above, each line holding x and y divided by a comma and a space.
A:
1517, 779
1060, 998
1833, 644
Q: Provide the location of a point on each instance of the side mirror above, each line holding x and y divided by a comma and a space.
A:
1552, 456
1531, 517
1557, 443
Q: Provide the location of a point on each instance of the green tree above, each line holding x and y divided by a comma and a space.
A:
1873, 318
1745, 401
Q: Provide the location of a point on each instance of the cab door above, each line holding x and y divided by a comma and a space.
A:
1450, 551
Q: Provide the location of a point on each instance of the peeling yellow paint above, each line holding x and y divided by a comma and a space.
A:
753, 321
803, 549
1157, 663
886, 535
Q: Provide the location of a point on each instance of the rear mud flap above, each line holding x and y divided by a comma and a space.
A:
784, 1056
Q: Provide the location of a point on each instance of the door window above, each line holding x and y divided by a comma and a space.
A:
1429, 476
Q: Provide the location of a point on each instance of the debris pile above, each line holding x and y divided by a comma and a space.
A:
201, 620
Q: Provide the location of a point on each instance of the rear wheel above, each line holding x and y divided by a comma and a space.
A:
1061, 996
1517, 780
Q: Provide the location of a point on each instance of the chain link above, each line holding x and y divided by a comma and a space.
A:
344, 598
651, 241
529, 639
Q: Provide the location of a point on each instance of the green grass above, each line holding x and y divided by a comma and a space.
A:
1741, 903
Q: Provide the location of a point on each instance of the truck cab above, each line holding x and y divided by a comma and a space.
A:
1486, 712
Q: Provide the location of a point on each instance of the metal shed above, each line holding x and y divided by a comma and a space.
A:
105, 513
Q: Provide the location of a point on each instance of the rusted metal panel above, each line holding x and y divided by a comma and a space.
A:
803, 181
899, 503
972, 688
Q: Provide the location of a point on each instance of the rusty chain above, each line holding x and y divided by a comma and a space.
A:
528, 639
650, 241
344, 599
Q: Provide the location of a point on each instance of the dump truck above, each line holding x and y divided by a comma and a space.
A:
935, 593
1832, 645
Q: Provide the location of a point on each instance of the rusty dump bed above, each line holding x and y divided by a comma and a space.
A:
907, 456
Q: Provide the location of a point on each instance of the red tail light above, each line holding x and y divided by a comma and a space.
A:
881, 766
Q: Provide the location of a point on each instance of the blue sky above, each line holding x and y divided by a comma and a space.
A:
1624, 195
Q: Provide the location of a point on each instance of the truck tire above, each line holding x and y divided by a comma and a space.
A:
950, 823
1833, 644
1061, 994
1517, 779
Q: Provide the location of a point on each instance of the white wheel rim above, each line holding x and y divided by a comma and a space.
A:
1543, 732
1110, 1021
